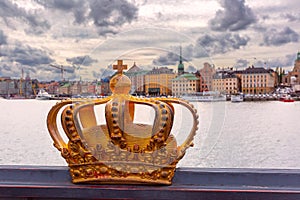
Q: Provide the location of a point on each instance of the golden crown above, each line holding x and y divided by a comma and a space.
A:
119, 151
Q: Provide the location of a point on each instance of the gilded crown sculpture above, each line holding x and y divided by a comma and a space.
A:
119, 151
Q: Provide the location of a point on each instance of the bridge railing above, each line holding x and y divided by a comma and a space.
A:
53, 182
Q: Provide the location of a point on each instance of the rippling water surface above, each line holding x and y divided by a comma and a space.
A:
231, 135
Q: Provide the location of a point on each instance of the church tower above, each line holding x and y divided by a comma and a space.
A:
180, 65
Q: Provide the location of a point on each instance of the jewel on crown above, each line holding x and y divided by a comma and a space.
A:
120, 151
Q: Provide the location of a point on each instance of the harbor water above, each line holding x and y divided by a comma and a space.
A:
231, 135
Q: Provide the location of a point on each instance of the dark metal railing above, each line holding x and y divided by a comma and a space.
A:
53, 182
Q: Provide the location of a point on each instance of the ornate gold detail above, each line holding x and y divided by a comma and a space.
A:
119, 151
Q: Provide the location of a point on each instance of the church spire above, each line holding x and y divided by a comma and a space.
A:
180, 66
180, 58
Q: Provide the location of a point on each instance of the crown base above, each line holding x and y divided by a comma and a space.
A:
111, 173
122, 181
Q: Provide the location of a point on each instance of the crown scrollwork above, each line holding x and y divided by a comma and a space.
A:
121, 150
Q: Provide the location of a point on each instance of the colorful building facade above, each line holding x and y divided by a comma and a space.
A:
257, 80
137, 77
185, 84
158, 81
226, 82
206, 75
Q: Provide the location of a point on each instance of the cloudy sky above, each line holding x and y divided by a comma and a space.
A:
87, 36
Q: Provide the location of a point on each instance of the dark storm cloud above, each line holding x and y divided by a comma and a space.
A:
191, 69
6, 67
291, 17
234, 16
26, 55
221, 43
172, 57
274, 37
111, 12
207, 45
9, 10
104, 72
286, 61
60, 4
78, 8
95, 74
169, 59
3, 38
81, 60
241, 63
106, 15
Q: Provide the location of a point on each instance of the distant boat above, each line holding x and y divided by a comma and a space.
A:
204, 97
286, 98
237, 98
43, 95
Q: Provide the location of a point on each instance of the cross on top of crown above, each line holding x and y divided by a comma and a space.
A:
120, 67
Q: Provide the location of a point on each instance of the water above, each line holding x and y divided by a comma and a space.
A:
231, 135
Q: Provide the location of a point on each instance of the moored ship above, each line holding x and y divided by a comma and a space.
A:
43, 95
237, 98
204, 97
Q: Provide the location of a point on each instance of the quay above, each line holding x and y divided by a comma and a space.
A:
261, 98
264, 98
54, 182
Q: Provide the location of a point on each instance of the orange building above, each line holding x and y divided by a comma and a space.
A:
206, 75
257, 80
226, 83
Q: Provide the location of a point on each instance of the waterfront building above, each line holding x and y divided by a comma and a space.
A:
158, 81
27, 90
293, 77
257, 80
91, 88
86, 88
75, 88
51, 88
98, 88
7, 87
185, 84
17, 88
64, 89
206, 75
105, 90
137, 77
226, 82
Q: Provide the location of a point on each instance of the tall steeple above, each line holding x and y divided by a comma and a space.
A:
180, 66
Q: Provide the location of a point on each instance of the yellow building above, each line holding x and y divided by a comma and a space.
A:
257, 80
226, 83
185, 84
158, 81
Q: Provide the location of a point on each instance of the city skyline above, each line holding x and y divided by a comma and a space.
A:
88, 36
